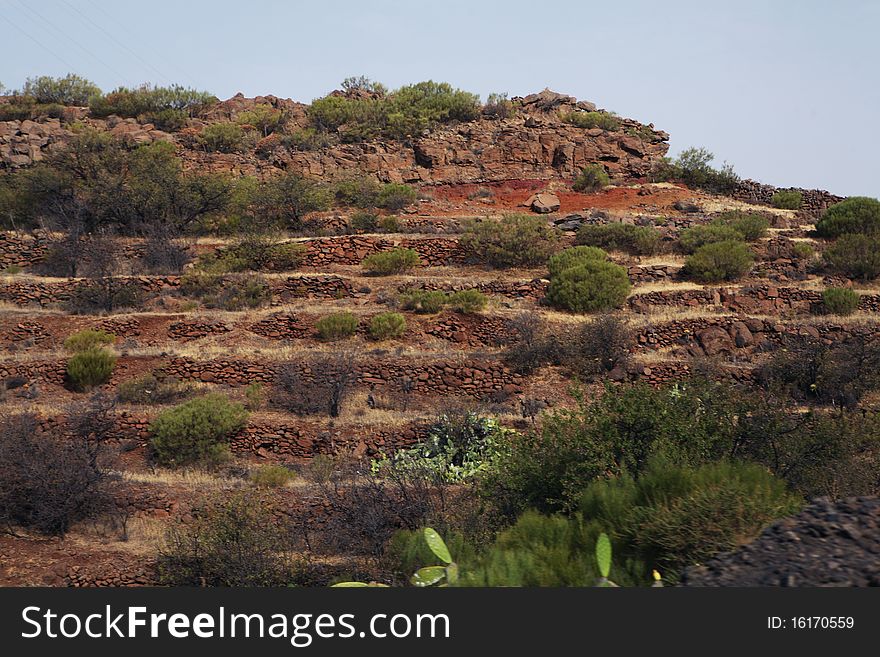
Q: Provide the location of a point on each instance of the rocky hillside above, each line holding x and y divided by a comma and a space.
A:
533, 143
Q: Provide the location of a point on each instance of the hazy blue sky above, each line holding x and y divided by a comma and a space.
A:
787, 91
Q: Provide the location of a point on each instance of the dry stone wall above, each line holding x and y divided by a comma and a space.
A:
815, 201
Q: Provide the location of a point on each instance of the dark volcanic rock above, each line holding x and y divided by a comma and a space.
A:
827, 544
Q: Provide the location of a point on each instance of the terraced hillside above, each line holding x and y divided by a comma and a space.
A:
390, 391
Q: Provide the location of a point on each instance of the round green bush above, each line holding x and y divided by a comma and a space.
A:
395, 261
467, 301
395, 197
88, 339
576, 255
694, 237
336, 326
787, 199
719, 261
592, 178
856, 256
589, 287
89, 368
363, 221
840, 300
385, 326
196, 431
271, 476
855, 215
752, 227
423, 302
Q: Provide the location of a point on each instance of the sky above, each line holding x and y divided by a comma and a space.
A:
786, 91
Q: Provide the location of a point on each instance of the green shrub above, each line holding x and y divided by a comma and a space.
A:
395, 261
516, 240
752, 227
572, 257
336, 326
264, 118
423, 302
196, 431
88, 339
667, 519
405, 112
385, 326
169, 120
498, 106
856, 256
638, 240
285, 256
357, 191
840, 300
693, 167
603, 120
271, 476
89, 368
592, 178
395, 197
147, 98
694, 237
787, 199
230, 293
592, 286
222, 138
673, 517
855, 215
363, 221
467, 301
69, 90
254, 396
148, 389
389, 224
719, 261
802, 250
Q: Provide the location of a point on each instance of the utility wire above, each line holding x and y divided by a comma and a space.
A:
4, 16
47, 22
122, 27
117, 42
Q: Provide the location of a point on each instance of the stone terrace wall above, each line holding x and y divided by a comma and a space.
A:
752, 300
814, 203
477, 379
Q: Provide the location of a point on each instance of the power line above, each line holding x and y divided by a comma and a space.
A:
116, 41
49, 23
35, 40
109, 17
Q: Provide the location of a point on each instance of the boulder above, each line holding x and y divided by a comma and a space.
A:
544, 203
715, 340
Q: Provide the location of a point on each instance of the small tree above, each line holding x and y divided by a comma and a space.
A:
69, 90
47, 483
196, 431
232, 540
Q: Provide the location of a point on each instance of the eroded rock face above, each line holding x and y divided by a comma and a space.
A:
534, 143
